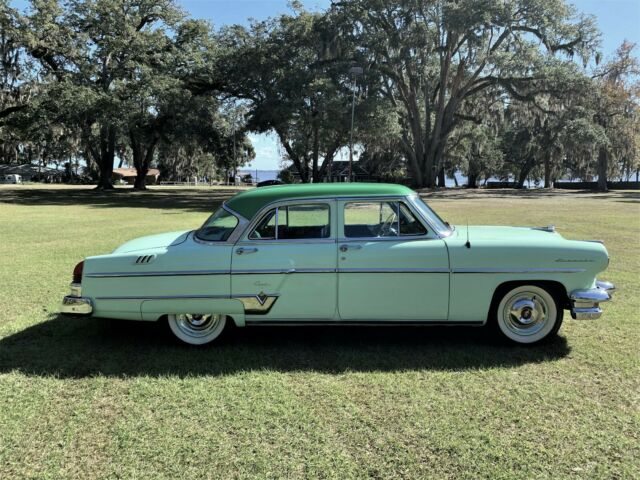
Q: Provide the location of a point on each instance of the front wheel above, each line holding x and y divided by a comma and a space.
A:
197, 329
528, 314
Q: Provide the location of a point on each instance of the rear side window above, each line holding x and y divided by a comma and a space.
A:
294, 222
380, 219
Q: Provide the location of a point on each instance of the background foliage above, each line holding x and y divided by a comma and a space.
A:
494, 89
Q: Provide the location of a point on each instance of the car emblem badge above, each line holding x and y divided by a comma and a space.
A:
262, 297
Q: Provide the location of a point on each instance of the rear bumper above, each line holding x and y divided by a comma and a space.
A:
585, 304
76, 304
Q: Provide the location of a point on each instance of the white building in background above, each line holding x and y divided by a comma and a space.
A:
11, 178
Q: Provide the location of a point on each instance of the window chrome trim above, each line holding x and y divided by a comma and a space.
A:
251, 224
516, 270
432, 233
244, 237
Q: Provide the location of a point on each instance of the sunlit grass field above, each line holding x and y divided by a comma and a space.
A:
86, 398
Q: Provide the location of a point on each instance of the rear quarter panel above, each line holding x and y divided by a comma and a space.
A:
118, 286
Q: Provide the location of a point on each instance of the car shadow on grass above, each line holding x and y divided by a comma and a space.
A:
68, 347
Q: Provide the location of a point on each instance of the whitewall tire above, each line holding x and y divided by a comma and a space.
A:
197, 329
528, 314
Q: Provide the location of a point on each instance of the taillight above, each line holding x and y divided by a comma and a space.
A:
77, 272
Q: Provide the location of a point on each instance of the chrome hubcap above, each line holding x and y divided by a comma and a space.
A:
197, 325
525, 313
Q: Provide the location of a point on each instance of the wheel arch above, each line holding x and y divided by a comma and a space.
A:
557, 290
238, 320
156, 309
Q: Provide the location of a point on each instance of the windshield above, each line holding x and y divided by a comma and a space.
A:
436, 222
218, 227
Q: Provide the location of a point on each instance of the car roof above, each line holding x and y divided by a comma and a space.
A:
248, 203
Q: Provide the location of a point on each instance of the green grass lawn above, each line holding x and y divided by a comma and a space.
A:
85, 398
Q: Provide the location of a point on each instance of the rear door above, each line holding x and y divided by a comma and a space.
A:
284, 269
391, 267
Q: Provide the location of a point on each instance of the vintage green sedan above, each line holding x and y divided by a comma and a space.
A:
343, 254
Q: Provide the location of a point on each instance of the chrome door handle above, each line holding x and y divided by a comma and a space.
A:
345, 247
242, 251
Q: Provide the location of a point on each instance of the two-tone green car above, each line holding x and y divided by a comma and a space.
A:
343, 254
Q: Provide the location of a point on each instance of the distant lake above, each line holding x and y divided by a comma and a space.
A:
262, 175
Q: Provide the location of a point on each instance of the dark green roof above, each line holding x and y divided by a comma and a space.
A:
248, 203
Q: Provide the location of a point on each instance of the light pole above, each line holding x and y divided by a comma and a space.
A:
354, 71
235, 162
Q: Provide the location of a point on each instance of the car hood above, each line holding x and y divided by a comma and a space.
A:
161, 240
508, 234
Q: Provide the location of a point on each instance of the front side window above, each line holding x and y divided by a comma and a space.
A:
219, 226
294, 222
380, 219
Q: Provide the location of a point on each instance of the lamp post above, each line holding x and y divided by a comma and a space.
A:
354, 71
235, 162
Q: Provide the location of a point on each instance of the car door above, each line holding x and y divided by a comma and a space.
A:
284, 268
391, 266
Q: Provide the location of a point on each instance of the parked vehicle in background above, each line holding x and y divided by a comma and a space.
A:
10, 178
350, 253
269, 183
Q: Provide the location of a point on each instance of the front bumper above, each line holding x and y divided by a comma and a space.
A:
585, 304
76, 304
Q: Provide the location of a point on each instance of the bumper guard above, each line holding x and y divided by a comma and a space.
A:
76, 304
585, 304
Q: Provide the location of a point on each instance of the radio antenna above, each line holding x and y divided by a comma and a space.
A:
468, 244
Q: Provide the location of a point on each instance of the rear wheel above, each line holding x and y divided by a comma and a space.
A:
196, 329
528, 314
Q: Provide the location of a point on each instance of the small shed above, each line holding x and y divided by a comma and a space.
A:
129, 175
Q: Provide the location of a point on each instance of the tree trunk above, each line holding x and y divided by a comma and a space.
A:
140, 183
472, 180
548, 183
442, 178
524, 172
142, 158
325, 168
603, 166
106, 157
315, 177
301, 167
